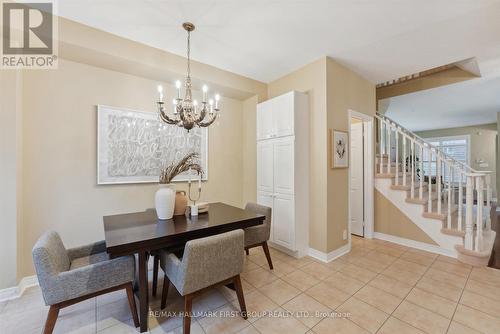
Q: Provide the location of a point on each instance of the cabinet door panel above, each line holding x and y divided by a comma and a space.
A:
283, 221
264, 121
265, 168
282, 110
266, 199
284, 166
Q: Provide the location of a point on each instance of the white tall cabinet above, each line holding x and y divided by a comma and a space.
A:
283, 169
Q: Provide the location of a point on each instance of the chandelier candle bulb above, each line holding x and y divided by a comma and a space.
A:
178, 86
217, 98
160, 92
205, 93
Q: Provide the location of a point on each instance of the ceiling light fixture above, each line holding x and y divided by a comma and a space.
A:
187, 113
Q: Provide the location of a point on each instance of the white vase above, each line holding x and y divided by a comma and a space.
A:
165, 201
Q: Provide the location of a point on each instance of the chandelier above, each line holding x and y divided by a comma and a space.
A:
186, 112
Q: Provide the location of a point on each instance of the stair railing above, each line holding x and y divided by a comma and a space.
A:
449, 177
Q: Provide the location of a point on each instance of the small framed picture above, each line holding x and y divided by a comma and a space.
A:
339, 146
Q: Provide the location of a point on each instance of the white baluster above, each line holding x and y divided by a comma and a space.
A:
438, 181
412, 164
381, 147
469, 205
488, 203
429, 187
452, 184
389, 160
479, 213
421, 190
460, 200
448, 221
397, 155
404, 160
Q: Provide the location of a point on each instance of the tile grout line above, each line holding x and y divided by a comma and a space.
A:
460, 298
405, 298
402, 300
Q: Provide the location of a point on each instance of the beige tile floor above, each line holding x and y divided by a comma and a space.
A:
382, 287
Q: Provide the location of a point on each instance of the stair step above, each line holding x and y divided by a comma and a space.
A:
477, 258
439, 216
453, 232
453, 228
408, 187
417, 200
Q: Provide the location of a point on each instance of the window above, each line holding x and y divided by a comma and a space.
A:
457, 147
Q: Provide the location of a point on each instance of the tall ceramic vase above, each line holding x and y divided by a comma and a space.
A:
165, 201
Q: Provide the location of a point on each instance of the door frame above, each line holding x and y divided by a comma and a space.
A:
368, 174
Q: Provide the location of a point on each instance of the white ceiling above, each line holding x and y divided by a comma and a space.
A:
470, 102
266, 39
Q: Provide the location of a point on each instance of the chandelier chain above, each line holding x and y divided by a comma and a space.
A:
189, 54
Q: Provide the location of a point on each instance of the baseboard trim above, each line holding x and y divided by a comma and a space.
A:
17, 291
329, 257
415, 244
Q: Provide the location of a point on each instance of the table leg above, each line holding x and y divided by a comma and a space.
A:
143, 291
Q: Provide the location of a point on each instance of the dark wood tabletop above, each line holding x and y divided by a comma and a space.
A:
142, 232
128, 233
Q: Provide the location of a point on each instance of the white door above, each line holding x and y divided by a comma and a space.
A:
265, 166
356, 166
264, 121
266, 199
284, 166
282, 108
283, 221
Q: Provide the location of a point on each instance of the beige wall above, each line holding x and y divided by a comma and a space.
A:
55, 142
250, 149
60, 190
333, 90
390, 220
10, 174
311, 79
345, 91
482, 145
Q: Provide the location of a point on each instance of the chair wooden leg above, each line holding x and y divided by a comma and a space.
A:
156, 263
268, 255
164, 293
131, 303
247, 251
50, 323
241, 298
188, 307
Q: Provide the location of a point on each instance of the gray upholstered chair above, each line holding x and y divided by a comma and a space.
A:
67, 277
206, 262
257, 236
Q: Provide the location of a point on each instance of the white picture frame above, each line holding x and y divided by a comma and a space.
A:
133, 145
339, 149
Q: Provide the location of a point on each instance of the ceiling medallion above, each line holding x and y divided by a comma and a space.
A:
187, 113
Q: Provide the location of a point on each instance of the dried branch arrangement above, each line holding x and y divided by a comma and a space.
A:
190, 161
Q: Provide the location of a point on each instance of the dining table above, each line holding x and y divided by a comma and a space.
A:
140, 233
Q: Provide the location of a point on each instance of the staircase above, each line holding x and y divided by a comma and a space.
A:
445, 198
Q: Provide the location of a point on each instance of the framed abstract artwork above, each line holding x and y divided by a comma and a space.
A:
133, 145
339, 147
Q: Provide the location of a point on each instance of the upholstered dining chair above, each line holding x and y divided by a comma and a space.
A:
257, 236
206, 263
67, 277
